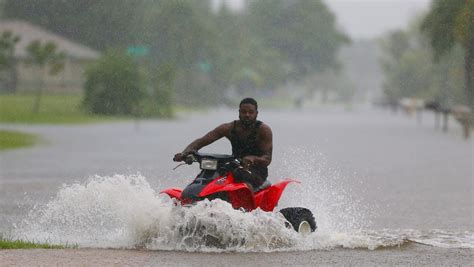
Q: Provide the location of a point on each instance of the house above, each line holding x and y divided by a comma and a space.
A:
26, 76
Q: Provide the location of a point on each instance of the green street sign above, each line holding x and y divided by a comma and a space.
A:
204, 66
138, 51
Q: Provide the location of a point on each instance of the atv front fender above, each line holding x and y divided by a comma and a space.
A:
271, 195
239, 194
173, 192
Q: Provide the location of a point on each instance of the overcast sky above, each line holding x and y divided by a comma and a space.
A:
369, 18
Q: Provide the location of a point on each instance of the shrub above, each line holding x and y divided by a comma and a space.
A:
113, 85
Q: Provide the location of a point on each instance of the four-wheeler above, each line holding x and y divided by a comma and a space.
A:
216, 180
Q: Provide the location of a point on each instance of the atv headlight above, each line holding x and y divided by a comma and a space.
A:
209, 164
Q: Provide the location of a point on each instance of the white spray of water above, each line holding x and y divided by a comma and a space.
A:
211, 225
323, 191
104, 212
125, 212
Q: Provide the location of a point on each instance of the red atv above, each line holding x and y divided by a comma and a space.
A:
216, 181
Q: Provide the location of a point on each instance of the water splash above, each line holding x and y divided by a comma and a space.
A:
215, 225
323, 190
103, 212
125, 212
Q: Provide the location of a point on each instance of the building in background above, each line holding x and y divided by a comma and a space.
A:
25, 76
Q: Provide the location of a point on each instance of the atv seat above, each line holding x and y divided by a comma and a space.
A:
263, 186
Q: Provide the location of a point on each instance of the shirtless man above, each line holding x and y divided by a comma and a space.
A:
251, 141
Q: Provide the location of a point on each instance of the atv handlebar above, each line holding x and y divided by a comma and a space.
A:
190, 159
226, 161
194, 156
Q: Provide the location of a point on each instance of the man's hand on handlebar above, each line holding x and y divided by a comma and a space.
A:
182, 156
248, 161
179, 157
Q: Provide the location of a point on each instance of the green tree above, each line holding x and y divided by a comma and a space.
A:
177, 31
393, 48
406, 73
448, 86
448, 23
242, 60
208, 51
114, 85
158, 103
8, 42
407, 64
304, 32
100, 24
49, 60
181, 34
228, 53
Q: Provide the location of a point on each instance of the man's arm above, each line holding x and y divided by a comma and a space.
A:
265, 145
207, 139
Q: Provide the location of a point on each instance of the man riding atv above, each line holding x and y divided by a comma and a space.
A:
251, 142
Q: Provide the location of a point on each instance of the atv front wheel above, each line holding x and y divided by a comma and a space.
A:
301, 219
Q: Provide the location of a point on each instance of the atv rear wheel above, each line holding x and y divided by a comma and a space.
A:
301, 219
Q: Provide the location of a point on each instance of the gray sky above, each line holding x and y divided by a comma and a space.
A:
369, 18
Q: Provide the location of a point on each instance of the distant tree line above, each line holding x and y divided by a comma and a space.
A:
434, 59
410, 71
192, 52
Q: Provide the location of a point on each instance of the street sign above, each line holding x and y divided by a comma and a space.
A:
204, 66
138, 51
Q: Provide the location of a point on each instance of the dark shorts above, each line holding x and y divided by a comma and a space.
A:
256, 177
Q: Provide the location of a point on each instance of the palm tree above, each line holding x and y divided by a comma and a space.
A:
451, 22
44, 56
8, 42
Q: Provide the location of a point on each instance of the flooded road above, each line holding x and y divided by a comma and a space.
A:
373, 179
409, 256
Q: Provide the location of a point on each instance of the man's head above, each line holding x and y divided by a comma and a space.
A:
248, 111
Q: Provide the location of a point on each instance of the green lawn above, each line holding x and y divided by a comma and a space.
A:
8, 243
13, 139
20, 244
54, 109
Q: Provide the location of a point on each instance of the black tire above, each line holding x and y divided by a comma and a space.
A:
295, 216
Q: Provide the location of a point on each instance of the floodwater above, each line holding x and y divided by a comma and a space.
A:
384, 189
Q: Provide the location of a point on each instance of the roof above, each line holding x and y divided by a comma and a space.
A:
29, 32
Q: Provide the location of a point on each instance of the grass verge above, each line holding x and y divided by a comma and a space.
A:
20, 244
8, 243
54, 109
13, 139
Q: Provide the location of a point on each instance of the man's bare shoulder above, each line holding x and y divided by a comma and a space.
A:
226, 125
265, 128
265, 131
224, 128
